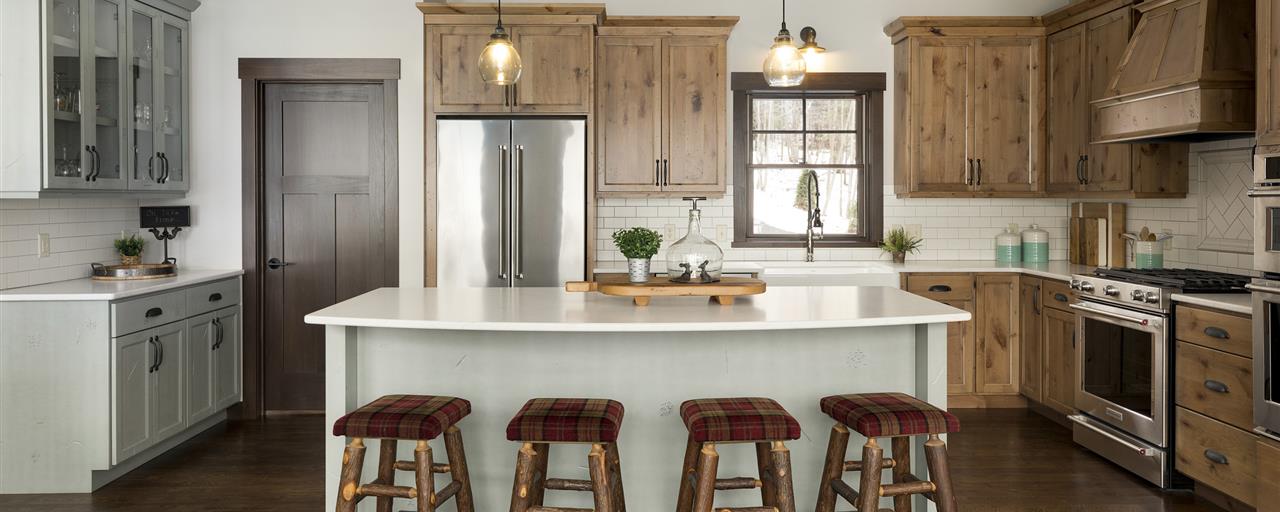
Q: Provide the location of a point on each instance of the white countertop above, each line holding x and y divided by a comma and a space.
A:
89, 289
1234, 302
1060, 270
730, 267
555, 310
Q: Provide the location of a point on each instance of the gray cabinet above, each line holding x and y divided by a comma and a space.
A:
226, 358
150, 384
158, 71
213, 363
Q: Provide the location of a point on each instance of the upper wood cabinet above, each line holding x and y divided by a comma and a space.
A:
1081, 59
969, 104
1268, 72
557, 72
661, 102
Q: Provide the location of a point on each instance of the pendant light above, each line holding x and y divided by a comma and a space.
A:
499, 62
784, 66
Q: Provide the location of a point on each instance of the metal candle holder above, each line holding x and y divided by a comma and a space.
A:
165, 235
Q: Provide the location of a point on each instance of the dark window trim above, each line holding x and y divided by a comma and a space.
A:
748, 85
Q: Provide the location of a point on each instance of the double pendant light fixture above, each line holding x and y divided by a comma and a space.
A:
500, 62
784, 66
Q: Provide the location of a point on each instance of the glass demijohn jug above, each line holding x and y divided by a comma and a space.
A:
694, 258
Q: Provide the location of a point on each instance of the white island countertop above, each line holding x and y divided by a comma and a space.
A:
90, 289
553, 309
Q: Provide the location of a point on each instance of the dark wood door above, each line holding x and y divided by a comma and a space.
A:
328, 201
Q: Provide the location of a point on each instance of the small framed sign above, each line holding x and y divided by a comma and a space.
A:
165, 216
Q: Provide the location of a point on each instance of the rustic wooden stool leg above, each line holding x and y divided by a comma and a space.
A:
901, 469
869, 485
524, 474
768, 488
425, 479
935, 453
352, 463
705, 490
685, 502
538, 482
615, 478
458, 470
598, 467
386, 470
833, 468
785, 497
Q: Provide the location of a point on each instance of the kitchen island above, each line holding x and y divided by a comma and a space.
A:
498, 347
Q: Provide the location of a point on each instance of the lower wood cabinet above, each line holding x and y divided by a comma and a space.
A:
1059, 378
1216, 454
1032, 332
998, 328
961, 343
1268, 487
1048, 344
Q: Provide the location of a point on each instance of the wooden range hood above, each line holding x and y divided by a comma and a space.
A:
1187, 74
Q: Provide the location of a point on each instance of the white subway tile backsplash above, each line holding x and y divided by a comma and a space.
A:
81, 231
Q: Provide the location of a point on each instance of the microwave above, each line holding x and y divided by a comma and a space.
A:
1266, 355
1266, 228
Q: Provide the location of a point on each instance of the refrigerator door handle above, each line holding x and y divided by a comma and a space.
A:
517, 216
504, 212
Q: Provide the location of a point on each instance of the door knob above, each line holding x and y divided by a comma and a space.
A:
275, 263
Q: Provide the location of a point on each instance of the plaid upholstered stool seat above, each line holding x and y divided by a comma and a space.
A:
713, 421
897, 416
543, 421
392, 418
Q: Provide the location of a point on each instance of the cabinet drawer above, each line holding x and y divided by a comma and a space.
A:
1222, 331
941, 286
1217, 384
1056, 295
134, 315
210, 296
1217, 454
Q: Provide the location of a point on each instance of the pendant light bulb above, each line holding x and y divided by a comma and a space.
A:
500, 63
784, 66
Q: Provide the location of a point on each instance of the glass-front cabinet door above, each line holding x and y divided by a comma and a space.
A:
145, 168
171, 119
107, 146
158, 95
69, 163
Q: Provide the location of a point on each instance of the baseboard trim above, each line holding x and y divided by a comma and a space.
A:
986, 402
104, 477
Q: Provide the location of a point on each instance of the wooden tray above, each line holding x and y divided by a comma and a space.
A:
133, 272
722, 292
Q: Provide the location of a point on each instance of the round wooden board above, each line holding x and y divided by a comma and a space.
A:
722, 291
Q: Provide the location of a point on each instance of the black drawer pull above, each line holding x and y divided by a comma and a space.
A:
154, 312
1215, 457
1215, 386
1216, 332
215, 297
939, 288
1060, 297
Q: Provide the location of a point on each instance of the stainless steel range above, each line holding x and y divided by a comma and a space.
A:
1124, 335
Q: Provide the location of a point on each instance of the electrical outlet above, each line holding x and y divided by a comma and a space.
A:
722, 232
42, 245
669, 232
894, 226
914, 230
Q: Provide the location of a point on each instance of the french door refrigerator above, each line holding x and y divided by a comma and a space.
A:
511, 202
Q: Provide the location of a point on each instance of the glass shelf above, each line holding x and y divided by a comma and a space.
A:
105, 53
64, 42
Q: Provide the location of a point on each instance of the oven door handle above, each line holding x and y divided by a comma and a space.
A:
1108, 314
1261, 289
1082, 421
1264, 191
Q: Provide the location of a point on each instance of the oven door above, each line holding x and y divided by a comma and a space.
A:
1122, 363
1266, 227
1266, 356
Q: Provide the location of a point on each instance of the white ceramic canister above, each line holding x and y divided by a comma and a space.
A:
1035, 245
1148, 254
1009, 245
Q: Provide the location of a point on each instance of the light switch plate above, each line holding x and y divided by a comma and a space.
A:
669, 232
914, 230
722, 233
42, 245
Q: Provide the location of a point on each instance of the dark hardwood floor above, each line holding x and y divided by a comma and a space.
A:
1003, 460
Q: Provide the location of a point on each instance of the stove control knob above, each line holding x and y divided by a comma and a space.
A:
1086, 286
1138, 295
1111, 291
1153, 298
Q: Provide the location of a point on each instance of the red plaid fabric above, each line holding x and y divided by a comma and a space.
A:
718, 420
889, 415
403, 417
567, 420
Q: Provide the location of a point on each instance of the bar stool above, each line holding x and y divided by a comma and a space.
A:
392, 418
713, 421
897, 416
544, 421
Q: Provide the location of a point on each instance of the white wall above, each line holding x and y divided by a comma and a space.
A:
225, 30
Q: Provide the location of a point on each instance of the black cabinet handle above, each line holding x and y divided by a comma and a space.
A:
154, 312
1217, 332
217, 333
215, 297
977, 180
160, 357
939, 288
1215, 457
152, 341
164, 161
1215, 386
657, 173
1060, 297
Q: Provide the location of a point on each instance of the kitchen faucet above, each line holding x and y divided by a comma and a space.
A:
814, 213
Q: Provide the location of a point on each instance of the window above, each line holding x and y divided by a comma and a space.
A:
828, 128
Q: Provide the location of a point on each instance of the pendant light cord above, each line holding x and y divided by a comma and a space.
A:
784, 14
500, 14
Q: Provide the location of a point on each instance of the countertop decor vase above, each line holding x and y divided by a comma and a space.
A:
898, 243
694, 258
130, 249
130, 260
1035, 245
639, 245
1009, 245
638, 270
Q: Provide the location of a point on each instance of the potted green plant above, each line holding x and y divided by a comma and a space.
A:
130, 249
898, 243
639, 245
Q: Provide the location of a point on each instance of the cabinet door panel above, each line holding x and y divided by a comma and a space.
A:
1268, 72
200, 367
997, 351
557, 68
940, 102
1031, 333
960, 351
1068, 109
70, 74
454, 64
131, 380
1110, 166
145, 169
1008, 114
167, 120
1060, 360
108, 85
227, 376
695, 114
629, 113
168, 381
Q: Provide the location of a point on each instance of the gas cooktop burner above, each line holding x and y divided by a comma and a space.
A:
1184, 279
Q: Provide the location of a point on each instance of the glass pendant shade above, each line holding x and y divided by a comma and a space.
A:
499, 62
784, 66
694, 258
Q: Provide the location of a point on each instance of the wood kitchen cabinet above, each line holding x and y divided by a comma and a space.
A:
1268, 489
1268, 73
1032, 333
998, 334
1081, 58
1060, 367
970, 105
660, 96
557, 75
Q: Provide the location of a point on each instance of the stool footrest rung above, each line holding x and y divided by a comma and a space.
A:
408, 465
747, 509
845, 491
927, 494
383, 490
449, 491
856, 465
916, 487
568, 484
559, 509
736, 483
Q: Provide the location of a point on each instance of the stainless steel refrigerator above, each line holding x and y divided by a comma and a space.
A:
511, 209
